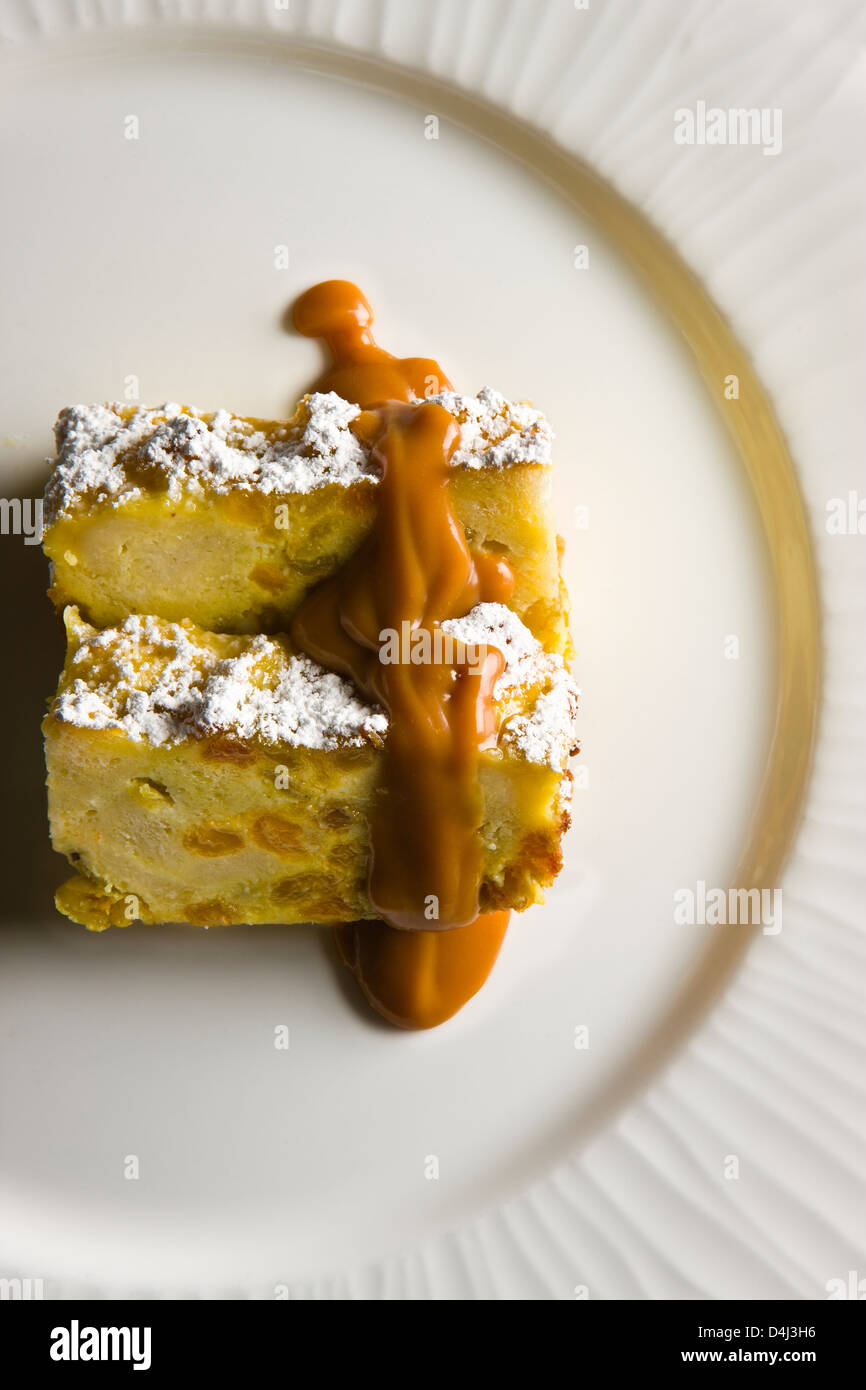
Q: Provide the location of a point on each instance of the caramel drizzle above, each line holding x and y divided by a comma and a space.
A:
414, 567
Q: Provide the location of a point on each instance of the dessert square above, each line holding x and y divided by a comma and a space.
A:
229, 521
215, 778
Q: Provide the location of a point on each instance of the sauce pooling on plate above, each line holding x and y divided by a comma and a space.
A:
431, 951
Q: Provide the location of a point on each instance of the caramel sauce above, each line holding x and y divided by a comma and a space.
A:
432, 951
421, 979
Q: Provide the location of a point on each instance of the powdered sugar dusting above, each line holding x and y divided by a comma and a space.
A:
109, 455
162, 682
546, 731
494, 625
496, 432
548, 734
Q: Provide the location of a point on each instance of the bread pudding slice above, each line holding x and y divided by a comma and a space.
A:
211, 778
228, 522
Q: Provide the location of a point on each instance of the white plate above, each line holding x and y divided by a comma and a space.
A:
153, 258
